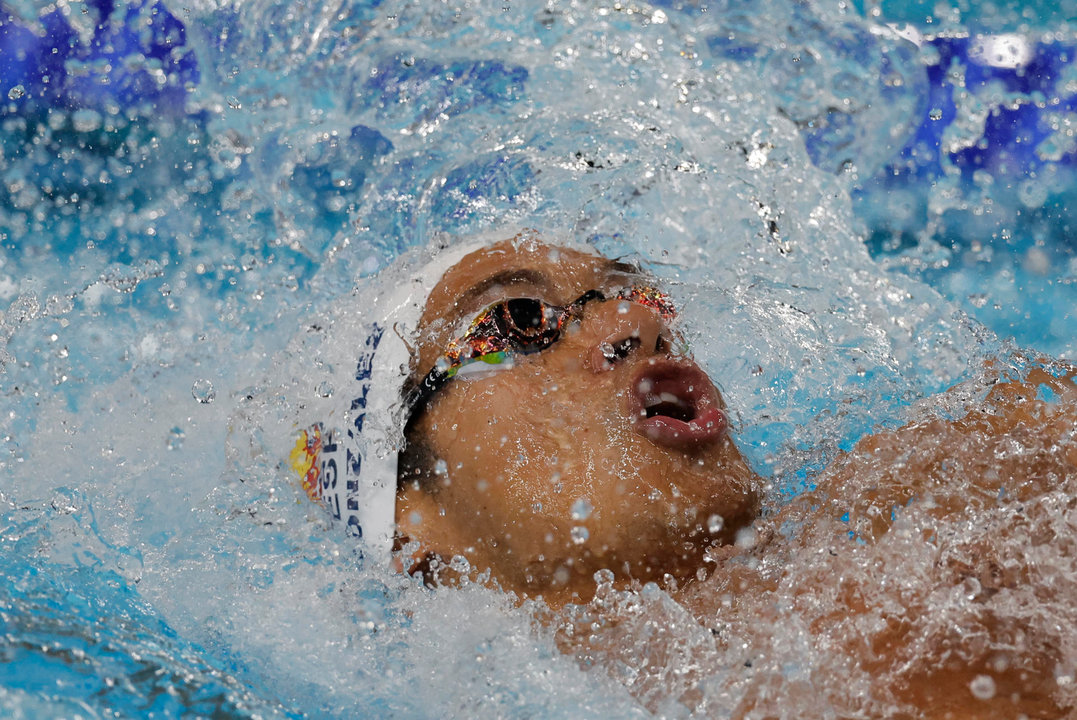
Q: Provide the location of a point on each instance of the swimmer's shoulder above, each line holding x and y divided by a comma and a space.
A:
1015, 442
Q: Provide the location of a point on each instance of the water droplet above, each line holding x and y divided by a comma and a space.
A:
581, 509
715, 523
1032, 194
202, 391
935, 114
16, 92
1037, 261
175, 438
324, 389
58, 305
983, 687
125, 278
86, 120
745, 538
579, 535
757, 158
459, 564
441, 467
604, 577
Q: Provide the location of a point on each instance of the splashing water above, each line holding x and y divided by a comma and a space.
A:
854, 215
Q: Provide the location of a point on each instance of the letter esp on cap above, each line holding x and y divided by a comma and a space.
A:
350, 466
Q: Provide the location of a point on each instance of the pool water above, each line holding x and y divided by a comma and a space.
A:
857, 204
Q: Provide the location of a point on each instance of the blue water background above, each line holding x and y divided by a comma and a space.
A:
165, 220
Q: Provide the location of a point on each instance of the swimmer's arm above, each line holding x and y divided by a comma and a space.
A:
968, 494
1012, 445
836, 553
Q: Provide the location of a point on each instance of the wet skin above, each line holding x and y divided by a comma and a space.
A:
520, 445
551, 468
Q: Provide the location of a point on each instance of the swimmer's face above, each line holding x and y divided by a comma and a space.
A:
608, 449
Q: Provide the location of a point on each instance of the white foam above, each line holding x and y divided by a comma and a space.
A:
633, 144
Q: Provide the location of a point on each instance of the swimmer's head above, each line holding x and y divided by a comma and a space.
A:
557, 428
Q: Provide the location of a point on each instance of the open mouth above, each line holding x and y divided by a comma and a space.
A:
670, 405
676, 405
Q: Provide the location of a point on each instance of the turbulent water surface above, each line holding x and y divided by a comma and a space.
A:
856, 207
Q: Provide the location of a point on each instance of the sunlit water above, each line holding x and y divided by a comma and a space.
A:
854, 214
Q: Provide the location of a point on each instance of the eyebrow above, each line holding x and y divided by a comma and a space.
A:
517, 276
625, 268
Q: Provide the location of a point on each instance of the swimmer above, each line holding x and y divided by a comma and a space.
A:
600, 422
554, 427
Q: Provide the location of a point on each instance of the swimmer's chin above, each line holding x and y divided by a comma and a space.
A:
672, 550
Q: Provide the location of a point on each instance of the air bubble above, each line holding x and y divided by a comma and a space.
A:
580, 535
202, 391
460, 564
324, 389
16, 92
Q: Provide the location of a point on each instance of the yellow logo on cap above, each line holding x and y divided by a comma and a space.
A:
304, 460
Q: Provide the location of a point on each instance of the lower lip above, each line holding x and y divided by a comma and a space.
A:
708, 427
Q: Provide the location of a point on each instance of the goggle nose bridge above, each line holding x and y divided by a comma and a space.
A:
447, 366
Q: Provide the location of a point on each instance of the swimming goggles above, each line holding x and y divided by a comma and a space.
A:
519, 326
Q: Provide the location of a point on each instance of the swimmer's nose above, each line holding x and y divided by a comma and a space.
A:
621, 328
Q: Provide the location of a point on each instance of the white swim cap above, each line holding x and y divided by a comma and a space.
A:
348, 460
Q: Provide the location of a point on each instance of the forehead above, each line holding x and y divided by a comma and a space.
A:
557, 274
